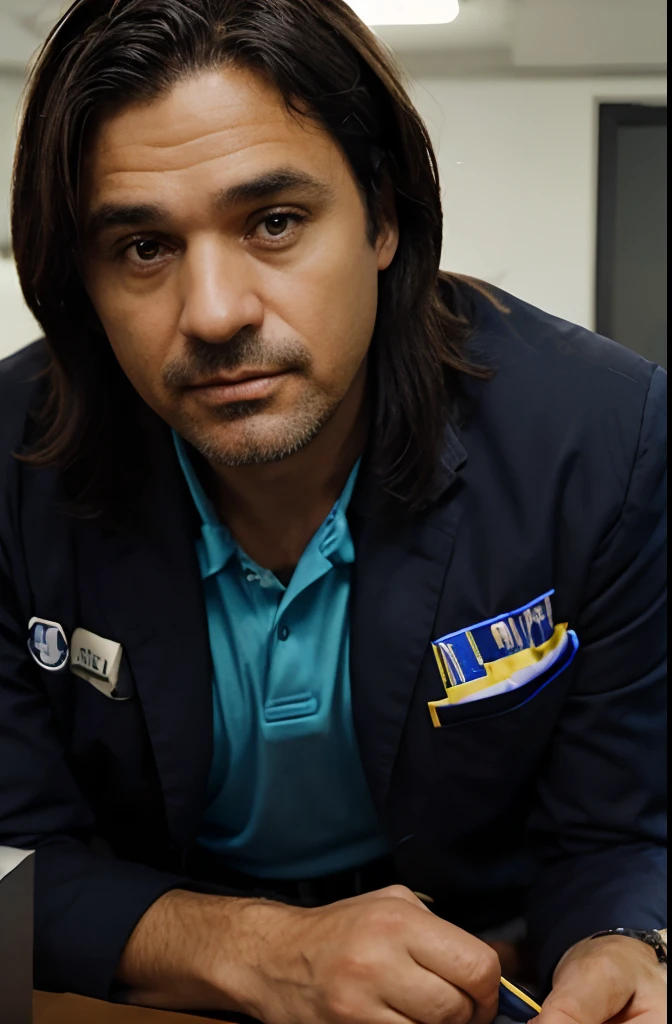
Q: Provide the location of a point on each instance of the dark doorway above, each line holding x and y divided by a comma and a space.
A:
632, 228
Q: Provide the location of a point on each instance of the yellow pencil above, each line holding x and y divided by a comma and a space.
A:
523, 996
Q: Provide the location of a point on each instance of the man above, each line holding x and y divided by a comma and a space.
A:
353, 572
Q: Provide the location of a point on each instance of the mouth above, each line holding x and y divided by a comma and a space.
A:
246, 385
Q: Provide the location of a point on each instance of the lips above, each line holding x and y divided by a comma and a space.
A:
243, 387
239, 378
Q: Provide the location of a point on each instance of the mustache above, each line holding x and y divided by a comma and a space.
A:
247, 350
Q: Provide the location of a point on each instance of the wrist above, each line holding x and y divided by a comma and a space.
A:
652, 938
624, 946
189, 951
250, 963
617, 946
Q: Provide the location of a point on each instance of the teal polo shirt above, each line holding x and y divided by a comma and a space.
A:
287, 795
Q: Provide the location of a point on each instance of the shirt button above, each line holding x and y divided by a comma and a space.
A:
283, 633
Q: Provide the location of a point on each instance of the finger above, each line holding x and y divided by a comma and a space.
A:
350, 1007
399, 892
459, 958
424, 998
381, 1015
591, 990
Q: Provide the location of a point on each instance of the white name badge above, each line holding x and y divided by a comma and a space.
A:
95, 659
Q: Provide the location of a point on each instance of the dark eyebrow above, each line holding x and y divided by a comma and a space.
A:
265, 186
114, 215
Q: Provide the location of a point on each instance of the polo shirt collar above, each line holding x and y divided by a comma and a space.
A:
218, 546
333, 539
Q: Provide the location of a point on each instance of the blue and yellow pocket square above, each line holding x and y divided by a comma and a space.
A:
521, 651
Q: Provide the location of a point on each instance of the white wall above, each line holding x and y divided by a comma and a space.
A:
518, 161
17, 327
11, 89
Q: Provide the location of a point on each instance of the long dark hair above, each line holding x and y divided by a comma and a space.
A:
105, 54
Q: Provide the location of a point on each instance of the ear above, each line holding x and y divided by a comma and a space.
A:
387, 241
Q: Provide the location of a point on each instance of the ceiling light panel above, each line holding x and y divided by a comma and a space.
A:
406, 12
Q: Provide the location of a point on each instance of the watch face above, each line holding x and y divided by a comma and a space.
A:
660, 945
653, 939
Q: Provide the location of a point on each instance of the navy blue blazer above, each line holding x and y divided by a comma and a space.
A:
544, 802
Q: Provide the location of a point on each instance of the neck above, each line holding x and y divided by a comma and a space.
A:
273, 510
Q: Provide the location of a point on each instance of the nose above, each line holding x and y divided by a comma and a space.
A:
219, 292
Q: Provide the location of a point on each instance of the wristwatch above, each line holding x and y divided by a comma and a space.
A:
656, 939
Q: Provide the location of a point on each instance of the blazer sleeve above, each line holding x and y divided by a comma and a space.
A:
86, 905
600, 818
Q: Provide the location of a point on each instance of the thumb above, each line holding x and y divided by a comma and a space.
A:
587, 991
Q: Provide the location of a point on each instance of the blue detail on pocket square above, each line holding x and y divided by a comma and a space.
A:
461, 656
518, 653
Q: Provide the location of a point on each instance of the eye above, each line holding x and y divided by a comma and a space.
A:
147, 249
278, 227
277, 224
145, 253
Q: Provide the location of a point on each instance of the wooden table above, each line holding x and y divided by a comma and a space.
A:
57, 1008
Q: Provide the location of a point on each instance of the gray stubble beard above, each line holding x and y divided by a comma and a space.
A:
307, 420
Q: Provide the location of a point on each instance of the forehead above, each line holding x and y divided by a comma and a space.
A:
214, 125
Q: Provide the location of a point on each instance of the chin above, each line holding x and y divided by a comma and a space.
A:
252, 447
246, 435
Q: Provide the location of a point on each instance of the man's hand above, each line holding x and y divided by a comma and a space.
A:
613, 978
381, 958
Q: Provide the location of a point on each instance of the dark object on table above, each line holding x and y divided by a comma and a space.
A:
16, 935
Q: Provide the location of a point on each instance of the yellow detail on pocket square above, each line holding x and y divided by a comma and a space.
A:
500, 655
516, 669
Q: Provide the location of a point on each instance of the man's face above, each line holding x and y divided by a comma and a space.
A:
228, 259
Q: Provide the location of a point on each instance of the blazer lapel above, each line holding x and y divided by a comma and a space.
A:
148, 596
398, 578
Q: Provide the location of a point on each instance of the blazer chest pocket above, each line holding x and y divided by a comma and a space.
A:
499, 665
